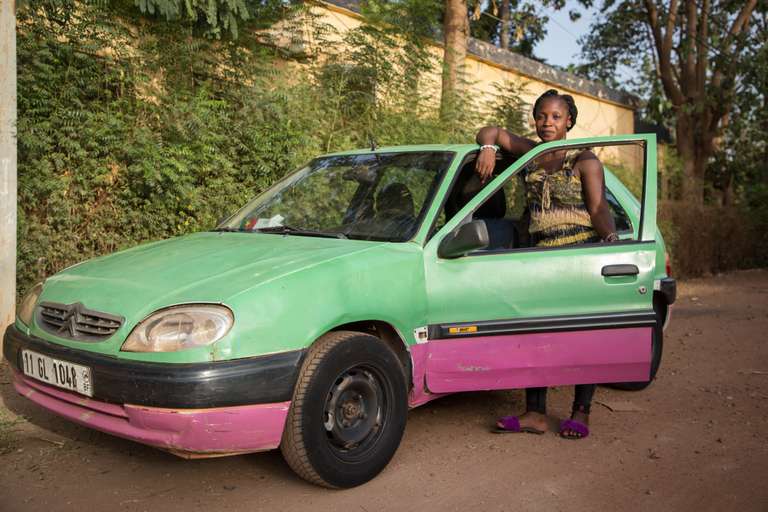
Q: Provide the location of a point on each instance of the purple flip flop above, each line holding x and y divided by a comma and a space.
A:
575, 426
511, 425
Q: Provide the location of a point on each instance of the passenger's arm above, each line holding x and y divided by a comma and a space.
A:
508, 142
593, 186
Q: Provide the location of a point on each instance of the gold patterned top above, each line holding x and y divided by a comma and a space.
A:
558, 213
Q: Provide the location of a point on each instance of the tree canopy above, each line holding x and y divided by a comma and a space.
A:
216, 18
699, 53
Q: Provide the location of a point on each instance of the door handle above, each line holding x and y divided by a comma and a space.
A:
620, 270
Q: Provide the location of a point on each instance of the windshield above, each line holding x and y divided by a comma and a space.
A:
369, 197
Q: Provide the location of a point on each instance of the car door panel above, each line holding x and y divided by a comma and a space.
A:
539, 359
541, 317
538, 288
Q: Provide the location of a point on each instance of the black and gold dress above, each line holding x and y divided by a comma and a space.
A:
558, 213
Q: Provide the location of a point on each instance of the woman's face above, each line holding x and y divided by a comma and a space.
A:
552, 119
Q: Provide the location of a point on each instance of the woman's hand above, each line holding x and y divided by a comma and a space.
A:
485, 163
508, 142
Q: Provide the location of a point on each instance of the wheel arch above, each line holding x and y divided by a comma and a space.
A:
387, 333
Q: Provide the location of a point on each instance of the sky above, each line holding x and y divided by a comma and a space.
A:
560, 44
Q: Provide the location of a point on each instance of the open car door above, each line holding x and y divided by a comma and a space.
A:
516, 316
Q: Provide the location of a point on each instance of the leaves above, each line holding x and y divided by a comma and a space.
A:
214, 18
132, 129
509, 109
129, 132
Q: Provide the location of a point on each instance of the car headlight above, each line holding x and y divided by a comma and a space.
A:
180, 328
28, 303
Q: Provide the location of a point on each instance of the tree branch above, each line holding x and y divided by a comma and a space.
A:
652, 48
702, 57
671, 21
688, 64
739, 23
725, 49
666, 70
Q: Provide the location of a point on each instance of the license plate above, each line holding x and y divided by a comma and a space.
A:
63, 374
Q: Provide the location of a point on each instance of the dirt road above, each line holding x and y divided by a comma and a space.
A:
697, 439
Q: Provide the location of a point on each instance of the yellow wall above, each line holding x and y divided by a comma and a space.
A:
597, 116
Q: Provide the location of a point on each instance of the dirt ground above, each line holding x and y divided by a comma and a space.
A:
697, 439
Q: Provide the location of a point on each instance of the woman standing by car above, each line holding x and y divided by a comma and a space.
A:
566, 205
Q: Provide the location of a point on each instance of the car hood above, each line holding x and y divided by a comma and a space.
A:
203, 267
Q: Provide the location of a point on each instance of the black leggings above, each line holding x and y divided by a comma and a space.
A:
536, 398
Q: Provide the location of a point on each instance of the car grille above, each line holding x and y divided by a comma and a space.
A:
76, 322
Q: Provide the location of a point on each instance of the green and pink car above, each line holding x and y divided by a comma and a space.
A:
363, 284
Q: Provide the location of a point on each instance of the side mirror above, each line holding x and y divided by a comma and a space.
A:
469, 237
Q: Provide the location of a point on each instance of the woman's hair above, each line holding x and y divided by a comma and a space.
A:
567, 98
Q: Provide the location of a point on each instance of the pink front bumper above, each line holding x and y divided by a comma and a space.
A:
184, 432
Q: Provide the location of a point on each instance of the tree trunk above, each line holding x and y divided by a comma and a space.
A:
693, 172
695, 143
764, 124
699, 87
456, 30
693, 185
504, 24
728, 192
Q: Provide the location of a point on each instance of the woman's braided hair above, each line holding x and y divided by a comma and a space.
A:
567, 98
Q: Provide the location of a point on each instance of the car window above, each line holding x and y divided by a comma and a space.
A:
543, 202
457, 196
620, 217
374, 196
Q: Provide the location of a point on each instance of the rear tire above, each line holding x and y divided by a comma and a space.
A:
348, 411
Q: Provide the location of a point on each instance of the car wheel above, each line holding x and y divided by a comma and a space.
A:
348, 411
657, 347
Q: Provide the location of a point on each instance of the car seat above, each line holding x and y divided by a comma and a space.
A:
501, 231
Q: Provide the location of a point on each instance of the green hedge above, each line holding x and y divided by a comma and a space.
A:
133, 129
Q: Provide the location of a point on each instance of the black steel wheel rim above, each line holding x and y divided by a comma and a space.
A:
356, 411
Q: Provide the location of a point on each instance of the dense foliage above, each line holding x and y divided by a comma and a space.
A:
133, 129
129, 132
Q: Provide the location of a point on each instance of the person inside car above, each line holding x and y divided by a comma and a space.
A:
394, 209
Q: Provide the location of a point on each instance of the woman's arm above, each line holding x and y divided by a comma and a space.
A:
509, 142
593, 186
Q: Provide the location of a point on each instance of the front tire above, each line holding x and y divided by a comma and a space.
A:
348, 411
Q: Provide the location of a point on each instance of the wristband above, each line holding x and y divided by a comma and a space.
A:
494, 147
611, 237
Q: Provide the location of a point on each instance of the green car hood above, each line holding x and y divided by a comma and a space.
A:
202, 267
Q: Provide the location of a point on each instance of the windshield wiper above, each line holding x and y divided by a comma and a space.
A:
290, 230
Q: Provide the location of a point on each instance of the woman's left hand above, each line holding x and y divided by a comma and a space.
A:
485, 164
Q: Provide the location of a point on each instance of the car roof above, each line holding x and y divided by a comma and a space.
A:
457, 148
